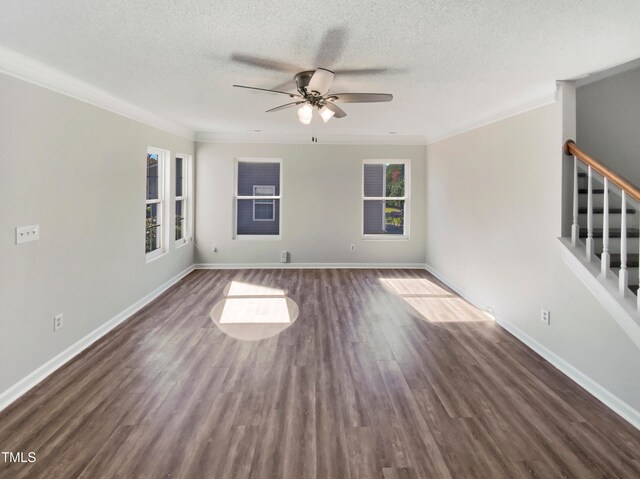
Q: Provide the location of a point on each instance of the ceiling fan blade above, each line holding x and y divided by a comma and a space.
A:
289, 84
361, 97
331, 46
338, 112
292, 95
285, 106
321, 81
368, 71
265, 63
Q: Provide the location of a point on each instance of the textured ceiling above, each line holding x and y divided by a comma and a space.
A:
450, 62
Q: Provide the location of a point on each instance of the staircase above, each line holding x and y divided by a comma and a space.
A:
604, 248
615, 221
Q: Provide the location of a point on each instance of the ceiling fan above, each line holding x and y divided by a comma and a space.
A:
313, 94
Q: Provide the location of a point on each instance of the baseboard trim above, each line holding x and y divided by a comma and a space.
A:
37, 376
609, 399
309, 266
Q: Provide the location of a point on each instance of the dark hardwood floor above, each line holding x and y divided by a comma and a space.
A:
384, 374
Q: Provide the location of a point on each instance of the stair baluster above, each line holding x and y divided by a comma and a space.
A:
624, 274
606, 257
574, 226
589, 214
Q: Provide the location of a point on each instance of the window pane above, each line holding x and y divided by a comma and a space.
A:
264, 210
373, 180
179, 219
394, 180
384, 217
152, 176
258, 174
152, 242
179, 179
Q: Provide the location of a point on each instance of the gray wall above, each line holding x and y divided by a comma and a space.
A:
321, 210
493, 218
608, 116
79, 172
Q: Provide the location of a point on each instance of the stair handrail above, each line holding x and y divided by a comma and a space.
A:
571, 149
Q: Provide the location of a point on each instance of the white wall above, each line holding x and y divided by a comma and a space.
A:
608, 114
321, 205
493, 217
79, 172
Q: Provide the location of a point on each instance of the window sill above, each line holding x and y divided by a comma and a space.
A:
385, 237
181, 242
258, 237
154, 255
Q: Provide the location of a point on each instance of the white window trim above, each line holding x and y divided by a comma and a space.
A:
164, 185
187, 198
406, 198
236, 198
264, 202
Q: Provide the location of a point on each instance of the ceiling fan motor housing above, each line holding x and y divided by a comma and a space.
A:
302, 80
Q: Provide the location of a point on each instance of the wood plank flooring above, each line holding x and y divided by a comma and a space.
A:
385, 374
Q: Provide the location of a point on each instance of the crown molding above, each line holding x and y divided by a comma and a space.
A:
298, 139
24, 68
608, 73
537, 98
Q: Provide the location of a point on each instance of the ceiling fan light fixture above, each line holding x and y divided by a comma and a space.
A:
326, 114
305, 114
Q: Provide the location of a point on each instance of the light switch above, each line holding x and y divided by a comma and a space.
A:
24, 234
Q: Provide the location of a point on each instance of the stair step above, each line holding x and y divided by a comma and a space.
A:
600, 210
595, 191
613, 233
633, 260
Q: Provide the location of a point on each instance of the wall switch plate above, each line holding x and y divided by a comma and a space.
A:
545, 316
24, 234
353, 247
57, 322
284, 257
214, 248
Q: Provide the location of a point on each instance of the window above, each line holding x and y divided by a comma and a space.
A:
264, 210
155, 204
183, 207
258, 194
385, 195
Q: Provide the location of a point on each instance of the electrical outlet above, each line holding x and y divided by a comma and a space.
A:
24, 234
57, 322
214, 248
545, 316
284, 257
353, 247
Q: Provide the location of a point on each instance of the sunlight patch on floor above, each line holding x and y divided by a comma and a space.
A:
431, 302
251, 312
413, 286
255, 310
240, 288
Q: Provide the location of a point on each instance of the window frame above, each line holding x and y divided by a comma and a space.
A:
161, 201
237, 198
186, 198
406, 198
